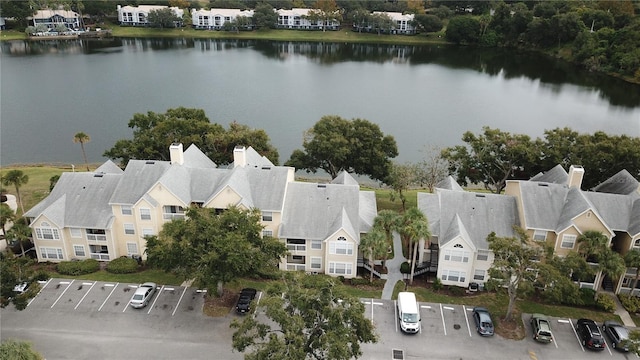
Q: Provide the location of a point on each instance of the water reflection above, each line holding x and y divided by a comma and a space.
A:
509, 64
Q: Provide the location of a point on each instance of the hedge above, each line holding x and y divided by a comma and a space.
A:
122, 265
78, 267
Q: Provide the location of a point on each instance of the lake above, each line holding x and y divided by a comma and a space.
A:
422, 95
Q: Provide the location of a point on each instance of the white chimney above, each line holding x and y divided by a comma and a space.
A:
576, 173
176, 153
239, 156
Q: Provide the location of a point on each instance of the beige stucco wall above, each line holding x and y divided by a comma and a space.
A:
225, 198
352, 259
455, 265
589, 221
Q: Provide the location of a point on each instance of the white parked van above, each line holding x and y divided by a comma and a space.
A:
408, 312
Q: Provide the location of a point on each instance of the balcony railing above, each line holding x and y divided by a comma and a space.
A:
96, 237
100, 256
171, 216
295, 267
294, 247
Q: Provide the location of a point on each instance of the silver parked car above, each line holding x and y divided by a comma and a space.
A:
143, 294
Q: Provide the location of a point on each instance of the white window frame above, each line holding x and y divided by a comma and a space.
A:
315, 263
341, 247
76, 232
266, 232
540, 235
337, 268
316, 244
169, 214
145, 214
45, 254
132, 248
479, 275
47, 232
126, 210
455, 255
459, 276
568, 238
483, 255
129, 229
267, 216
147, 232
96, 237
296, 247
79, 248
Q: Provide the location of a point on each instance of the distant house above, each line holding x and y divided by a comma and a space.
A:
2, 23
214, 19
139, 15
402, 24
299, 19
107, 213
53, 18
550, 207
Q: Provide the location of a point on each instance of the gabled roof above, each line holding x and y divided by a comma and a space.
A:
468, 214
342, 222
542, 204
79, 199
138, 177
109, 167
449, 183
557, 175
254, 159
634, 222
311, 210
616, 210
344, 178
621, 183
195, 158
368, 210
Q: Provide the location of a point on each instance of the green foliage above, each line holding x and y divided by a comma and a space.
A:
122, 265
153, 133
75, 268
264, 16
163, 18
429, 23
18, 350
41, 275
631, 303
437, 284
335, 144
587, 297
605, 302
405, 268
463, 30
456, 290
214, 248
14, 271
313, 317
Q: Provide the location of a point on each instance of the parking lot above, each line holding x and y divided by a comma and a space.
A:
110, 297
448, 330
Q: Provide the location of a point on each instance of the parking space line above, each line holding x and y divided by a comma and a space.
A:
112, 290
258, 303
174, 310
65, 290
42, 288
395, 312
156, 299
444, 326
85, 295
466, 318
576, 334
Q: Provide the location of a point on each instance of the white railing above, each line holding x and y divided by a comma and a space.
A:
171, 216
298, 267
100, 256
96, 237
296, 247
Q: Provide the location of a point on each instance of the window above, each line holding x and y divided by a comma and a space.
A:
170, 212
145, 214
483, 255
539, 235
296, 245
636, 243
99, 252
478, 275
453, 275
51, 253
126, 210
129, 229
96, 234
76, 232
267, 233
341, 247
456, 255
46, 232
568, 241
147, 232
78, 250
340, 268
132, 249
267, 216
316, 244
316, 263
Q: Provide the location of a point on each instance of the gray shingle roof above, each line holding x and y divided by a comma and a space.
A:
344, 178
473, 215
542, 204
616, 210
138, 177
449, 183
109, 167
621, 183
79, 200
195, 158
557, 175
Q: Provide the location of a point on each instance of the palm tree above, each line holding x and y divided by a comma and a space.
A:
592, 243
632, 259
6, 216
386, 221
611, 263
413, 226
21, 232
16, 178
82, 138
375, 243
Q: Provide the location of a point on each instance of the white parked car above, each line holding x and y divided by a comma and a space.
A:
143, 295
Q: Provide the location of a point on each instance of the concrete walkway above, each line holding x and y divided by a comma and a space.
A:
393, 268
621, 311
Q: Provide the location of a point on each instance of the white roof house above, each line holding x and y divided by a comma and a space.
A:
298, 18
52, 18
139, 15
214, 19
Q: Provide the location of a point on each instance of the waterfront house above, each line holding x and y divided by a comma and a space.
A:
139, 15
303, 19
214, 19
53, 18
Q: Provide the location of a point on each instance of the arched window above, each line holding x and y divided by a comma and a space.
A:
458, 246
46, 232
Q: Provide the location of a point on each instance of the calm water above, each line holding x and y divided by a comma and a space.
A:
424, 95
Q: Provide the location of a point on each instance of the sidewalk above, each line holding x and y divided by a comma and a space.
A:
393, 268
620, 311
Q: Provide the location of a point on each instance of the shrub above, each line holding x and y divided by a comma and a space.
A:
360, 281
405, 268
437, 284
588, 297
341, 279
78, 267
630, 303
606, 303
456, 290
122, 265
41, 275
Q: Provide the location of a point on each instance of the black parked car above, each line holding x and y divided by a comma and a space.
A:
590, 335
244, 301
618, 334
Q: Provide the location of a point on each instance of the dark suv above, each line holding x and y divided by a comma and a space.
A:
244, 301
590, 334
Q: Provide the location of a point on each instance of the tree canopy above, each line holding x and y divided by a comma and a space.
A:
153, 133
163, 18
14, 271
19, 350
311, 317
335, 144
214, 248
